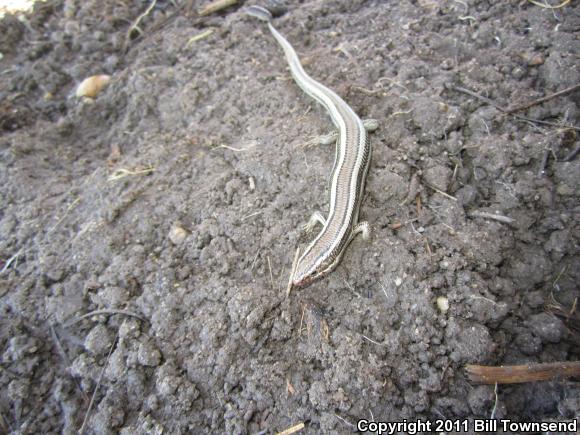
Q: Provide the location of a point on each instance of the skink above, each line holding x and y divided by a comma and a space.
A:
353, 152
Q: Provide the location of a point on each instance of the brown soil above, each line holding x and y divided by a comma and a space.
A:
171, 205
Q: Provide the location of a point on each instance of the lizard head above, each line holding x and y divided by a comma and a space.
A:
307, 271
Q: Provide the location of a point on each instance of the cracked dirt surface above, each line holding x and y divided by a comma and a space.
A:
171, 206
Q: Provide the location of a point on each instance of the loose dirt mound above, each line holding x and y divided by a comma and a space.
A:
146, 236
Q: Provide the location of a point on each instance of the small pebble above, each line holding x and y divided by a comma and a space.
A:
518, 73
177, 234
443, 304
92, 86
536, 60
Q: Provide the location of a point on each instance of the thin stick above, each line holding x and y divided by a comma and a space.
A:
135, 25
301, 321
384, 291
393, 82
561, 5
479, 97
484, 299
252, 215
216, 6
271, 275
122, 173
198, 37
564, 269
492, 416
505, 111
351, 288
66, 360
570, 316
10, 260
367, 91
255, 259
497, 217
280, 278
66, 212
439, 191
468, 17
344, 421
371, 340
236, 150
544, 99
292, 429
82, 429
99, 312
572, 154
522, 373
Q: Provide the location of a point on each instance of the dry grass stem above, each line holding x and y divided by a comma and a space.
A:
270, 270
11, 260
493, 411
371, 340
251, 215
198, 37
66, 360
292, 429
497, 217
135, 25
440, 192
545, 6
236, 150
351, 288
66, 212
102, 312
122, 172
215, 6
82, 429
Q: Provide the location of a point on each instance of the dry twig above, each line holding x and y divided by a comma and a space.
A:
82, 429
439, 191
101, 312
522, 373
543, 99
507, 111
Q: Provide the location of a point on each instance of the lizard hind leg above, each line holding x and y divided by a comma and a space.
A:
362, 228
